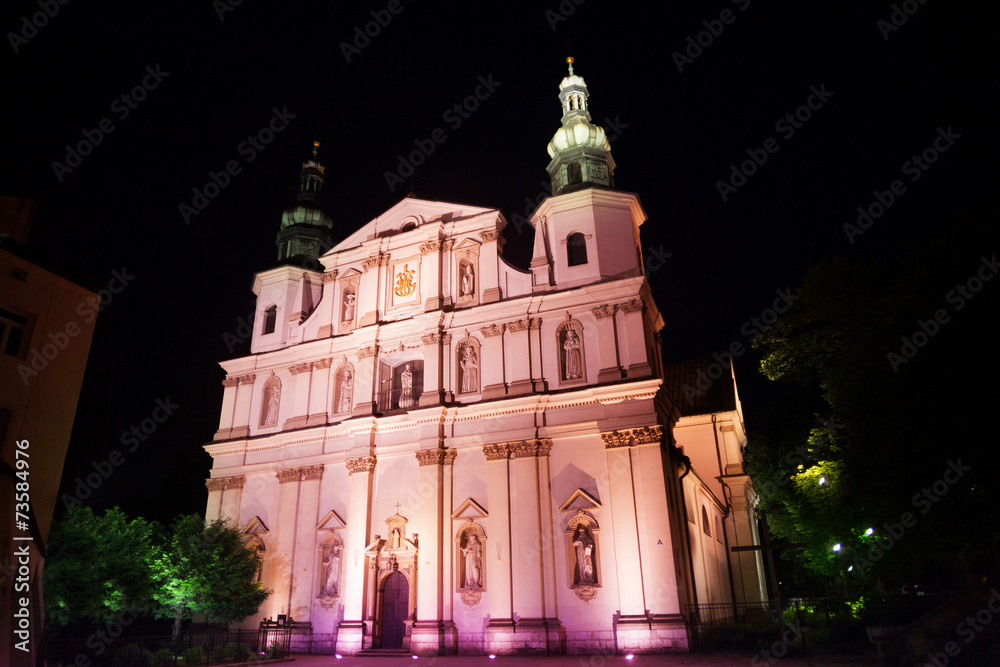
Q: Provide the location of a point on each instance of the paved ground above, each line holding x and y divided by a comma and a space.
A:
740, 659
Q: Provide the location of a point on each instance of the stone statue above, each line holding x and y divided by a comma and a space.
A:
468, 281
574, 362
346, 389
584, 545
406, 379
470, 370
332, 563
397, 539
473, 551
271, 418
349, 307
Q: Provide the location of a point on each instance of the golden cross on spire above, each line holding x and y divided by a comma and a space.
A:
569, 61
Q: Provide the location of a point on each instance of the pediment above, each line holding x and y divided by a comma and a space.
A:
408, 211
580, 501
470, 510
255, 527
331, 521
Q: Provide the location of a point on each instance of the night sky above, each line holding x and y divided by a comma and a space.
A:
864, 94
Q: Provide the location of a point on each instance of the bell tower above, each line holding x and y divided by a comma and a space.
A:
587, 231
305, 228
580, 151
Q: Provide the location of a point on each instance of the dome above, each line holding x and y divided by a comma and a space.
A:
580, 132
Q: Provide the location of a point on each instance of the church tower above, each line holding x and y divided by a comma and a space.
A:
305, 228
587, 232
580, 151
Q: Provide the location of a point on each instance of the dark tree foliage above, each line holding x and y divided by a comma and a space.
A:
895, 368
98, 567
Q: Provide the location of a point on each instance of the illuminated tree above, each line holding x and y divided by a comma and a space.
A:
206, 569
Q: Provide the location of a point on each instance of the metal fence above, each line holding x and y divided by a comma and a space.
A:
805, 623
202, 647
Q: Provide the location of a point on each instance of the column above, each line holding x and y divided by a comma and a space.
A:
607, 347
500, 630
364, 381
241, 417
632, 334
491, 365
298, 396
350, 632
319, 393
432, 392
304, 557
518, 358
428, 634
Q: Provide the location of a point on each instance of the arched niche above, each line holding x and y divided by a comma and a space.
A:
329, 565
583, 555
270, 401
343, 389
470, 559
572, 360
256, 545
468, 366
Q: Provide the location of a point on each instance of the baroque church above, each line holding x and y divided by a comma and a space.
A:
435, 451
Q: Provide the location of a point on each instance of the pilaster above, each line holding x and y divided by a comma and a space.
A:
607, 344
538, 383
319, 398
428, 634
231, 386
433, 389
632, 336
492, 365
298, 395
518, 358
350, 632
488, 266
244, 396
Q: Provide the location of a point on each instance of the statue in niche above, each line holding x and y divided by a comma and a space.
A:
468, 281
473, 551
332, 563
346, 390
271, 417
573, 364
349, 307
470, 370
397, 539
584, 545
406, 379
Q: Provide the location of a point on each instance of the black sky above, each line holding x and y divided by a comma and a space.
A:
678, 132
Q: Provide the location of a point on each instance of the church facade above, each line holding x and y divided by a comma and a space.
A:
435, 451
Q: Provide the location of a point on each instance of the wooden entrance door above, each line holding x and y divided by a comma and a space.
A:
395, 605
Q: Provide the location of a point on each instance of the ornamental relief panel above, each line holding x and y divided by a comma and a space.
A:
404, 282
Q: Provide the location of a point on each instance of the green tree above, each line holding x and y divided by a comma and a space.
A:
206, 569
98, 567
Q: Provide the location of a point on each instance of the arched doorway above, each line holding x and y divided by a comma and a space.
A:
395, 606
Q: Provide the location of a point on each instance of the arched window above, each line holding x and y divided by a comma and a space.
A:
705, 526
270, 316
576, 249
574, 174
